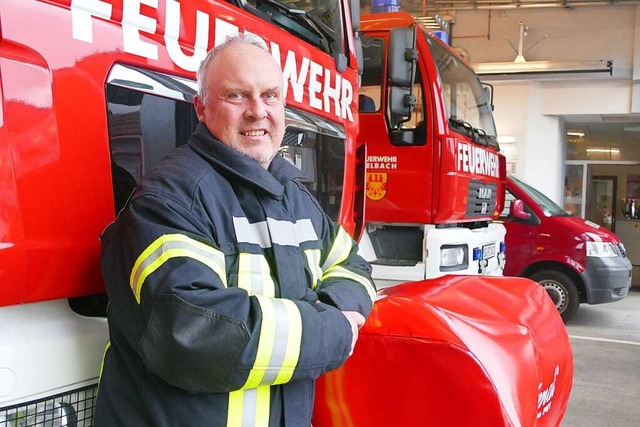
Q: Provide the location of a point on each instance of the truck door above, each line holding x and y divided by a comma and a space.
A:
399, 173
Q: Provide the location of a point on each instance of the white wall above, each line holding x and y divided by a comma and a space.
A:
533, 110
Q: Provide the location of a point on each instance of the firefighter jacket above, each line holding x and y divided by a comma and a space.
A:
225, 283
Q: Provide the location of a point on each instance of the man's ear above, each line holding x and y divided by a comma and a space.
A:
198, 105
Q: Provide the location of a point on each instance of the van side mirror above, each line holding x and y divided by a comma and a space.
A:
516, 210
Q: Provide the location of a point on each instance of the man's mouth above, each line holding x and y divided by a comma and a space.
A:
254, 133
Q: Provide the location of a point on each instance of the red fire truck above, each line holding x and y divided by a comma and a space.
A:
94, 92
453, 350
435, 176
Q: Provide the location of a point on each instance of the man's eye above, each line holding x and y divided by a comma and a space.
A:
271, 95
235, 96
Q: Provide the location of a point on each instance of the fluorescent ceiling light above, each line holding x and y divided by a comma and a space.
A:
506, 139
578, 134
603, 150
543, 67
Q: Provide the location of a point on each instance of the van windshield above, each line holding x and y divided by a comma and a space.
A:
549, 207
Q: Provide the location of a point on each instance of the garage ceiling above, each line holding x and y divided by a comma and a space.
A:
431, 7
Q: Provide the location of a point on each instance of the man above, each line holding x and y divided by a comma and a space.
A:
230, 289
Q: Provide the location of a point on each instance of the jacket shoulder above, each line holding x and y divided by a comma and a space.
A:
176, 177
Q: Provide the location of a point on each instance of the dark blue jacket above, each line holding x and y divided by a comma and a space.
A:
225, 283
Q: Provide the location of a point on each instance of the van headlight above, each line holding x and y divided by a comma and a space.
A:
602, 250
454, 257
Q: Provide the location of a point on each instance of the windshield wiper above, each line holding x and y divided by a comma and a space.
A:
479, 136
307, 26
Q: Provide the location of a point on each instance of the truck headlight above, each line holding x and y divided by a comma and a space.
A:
454, 257
602, 249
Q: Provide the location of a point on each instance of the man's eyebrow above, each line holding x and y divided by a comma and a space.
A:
233, 89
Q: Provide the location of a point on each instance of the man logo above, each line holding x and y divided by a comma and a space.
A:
376, 185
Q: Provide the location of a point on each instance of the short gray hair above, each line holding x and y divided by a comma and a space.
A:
239, 39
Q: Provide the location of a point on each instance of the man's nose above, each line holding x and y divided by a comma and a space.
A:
256, 108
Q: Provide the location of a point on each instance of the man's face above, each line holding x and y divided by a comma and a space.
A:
244, 107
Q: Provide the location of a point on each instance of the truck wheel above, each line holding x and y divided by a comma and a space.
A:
561, 289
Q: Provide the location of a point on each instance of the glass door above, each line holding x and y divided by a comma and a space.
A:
602, 201
575, 184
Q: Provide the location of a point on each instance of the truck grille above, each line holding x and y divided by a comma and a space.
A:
481, 199
71, 409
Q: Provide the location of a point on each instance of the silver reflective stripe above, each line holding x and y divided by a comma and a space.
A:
272, 231
279, 343
257, 233
249, 400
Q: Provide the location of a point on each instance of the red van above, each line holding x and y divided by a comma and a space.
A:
575, 260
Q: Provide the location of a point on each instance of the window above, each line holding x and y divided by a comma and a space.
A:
151, 113
372, 74
464, 96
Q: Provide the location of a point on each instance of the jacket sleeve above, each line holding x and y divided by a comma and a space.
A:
169, 303
346, 277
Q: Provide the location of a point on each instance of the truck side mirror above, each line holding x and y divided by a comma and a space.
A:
516, 210
354, 11
401, 72
403, 57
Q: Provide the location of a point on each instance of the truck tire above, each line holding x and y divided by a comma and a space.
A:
562, 290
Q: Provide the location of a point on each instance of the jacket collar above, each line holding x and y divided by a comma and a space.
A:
237, 166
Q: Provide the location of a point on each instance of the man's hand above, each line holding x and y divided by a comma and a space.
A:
356, 320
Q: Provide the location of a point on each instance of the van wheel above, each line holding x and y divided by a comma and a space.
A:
562, 290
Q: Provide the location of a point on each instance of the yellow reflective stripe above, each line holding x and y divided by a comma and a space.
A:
264, 278
313, 261
263, 406
294, 338
234, 410
343, 273
278, 345
265, 343
249, 408
104, 354
339, 251
254, 275
171, 246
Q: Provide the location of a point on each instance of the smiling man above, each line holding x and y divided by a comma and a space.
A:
230, 289
245, 110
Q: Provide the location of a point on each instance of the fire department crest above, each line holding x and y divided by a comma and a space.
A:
376, 185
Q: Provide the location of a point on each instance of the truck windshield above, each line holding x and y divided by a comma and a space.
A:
318, 22
549, 207
466, 102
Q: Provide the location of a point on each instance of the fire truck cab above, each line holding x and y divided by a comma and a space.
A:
435, 176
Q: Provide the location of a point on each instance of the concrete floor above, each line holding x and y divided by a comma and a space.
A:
606, 350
